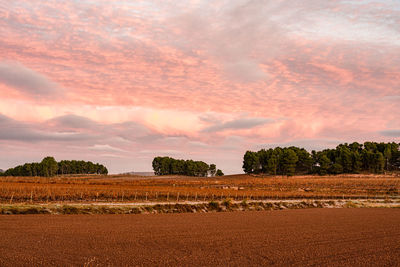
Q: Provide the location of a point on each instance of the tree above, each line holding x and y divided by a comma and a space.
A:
49, 166
289, 161
272, 164
379, 162
387, 154
167, 165
212, 169
177, 166
201, 168
345, 158
304, 163
336, 168
251, 163
157, 165
103, 170
368, 159
355, 147
263, 157
36, 169
220, 173
324, 164
395, 162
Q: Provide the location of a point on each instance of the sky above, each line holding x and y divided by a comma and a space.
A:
120, 82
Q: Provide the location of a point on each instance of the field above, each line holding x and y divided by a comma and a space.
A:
307, 237
121, 189
301, 233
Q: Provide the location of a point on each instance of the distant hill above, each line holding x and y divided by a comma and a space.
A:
139, 173
1, 171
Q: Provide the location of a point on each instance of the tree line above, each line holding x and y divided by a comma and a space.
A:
50, 167
167, 165
369, 157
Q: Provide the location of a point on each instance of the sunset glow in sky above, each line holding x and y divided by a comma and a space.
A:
119, 82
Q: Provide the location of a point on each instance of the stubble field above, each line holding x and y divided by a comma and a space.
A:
179, 188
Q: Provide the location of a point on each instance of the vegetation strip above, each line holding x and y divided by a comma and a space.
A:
212, 206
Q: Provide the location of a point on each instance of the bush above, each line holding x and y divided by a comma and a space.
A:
70, 210
227, 202
213, 205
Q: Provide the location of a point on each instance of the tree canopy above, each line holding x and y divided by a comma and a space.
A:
167, 165
50, 167
345, 158
219, 173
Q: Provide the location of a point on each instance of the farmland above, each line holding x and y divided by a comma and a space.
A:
310, 237
120, 189
278, 220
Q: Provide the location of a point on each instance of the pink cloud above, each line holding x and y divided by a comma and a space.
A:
315, 70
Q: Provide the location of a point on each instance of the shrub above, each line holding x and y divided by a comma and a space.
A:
31, 210
70, 210
135, 210
213, 205
351, 204
227, 202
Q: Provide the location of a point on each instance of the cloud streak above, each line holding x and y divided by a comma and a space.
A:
237, 124
391, 133
13, 130
27, 81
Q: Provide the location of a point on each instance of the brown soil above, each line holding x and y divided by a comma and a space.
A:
313, 237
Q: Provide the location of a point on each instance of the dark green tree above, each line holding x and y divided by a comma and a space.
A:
336, 168
49, 166
167, 165
289, 161
272, 164
369, 157
324, 164
212, 169
379, 162
251, 163
219, 173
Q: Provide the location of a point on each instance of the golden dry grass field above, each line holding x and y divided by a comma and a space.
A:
114, 188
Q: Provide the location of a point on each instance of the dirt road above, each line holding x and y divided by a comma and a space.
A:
313, 237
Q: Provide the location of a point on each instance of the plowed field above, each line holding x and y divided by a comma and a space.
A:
312, 237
